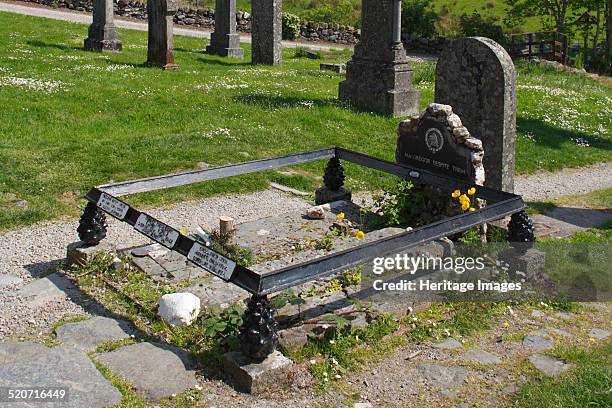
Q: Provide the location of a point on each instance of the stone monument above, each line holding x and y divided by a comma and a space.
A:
438, 141
477, 78
103, 35
379, 77
267, 32
161, 14
225, 41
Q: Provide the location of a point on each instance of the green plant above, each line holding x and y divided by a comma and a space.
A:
225, 323
419, 17
326, 242
475, 25
291, 26
223, 243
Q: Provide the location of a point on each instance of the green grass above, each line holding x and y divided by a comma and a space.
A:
588, 385
85, 119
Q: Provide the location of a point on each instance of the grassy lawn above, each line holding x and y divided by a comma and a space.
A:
586, 386
70, 119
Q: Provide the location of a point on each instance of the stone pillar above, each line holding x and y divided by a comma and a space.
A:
477, 78
267, 31
225, 41
161, 14
379, 77
103, 35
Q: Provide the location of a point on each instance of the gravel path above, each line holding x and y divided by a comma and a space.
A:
543, 185
28, 252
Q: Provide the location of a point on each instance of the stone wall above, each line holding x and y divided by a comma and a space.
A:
311, 31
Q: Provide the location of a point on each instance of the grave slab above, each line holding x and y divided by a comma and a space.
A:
537, 343
443, 376
481, 357
9, 280
62, 367
600, 334
87, 335
14, 351
79, 253
548, 365
448, 344
214, 293
47, 289
267, 29
258, 377
156, 370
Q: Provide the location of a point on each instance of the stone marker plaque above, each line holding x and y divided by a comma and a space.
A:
438, 142
157, 230
113, 206
432, 147
212, 261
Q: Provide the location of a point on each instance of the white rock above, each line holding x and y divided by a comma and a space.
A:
461, 133
473, 143
179, 309
454, 121
438, 109
316, 213
117, 263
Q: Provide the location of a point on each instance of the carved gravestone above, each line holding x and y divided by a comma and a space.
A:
379, 76
160, 46
225, 41
438, 141
477, 78
103, 35
267, 32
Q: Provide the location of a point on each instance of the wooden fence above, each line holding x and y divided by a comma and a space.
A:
550, 45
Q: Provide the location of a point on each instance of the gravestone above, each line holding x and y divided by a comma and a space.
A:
477, 78
103, 35
379, 77
267, 32
438, 141
161, 14
225, 41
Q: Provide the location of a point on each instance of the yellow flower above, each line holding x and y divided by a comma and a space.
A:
472, 191
341, 216
465, 206
464, 199
472, 209
359, 235
456, 193
506, 324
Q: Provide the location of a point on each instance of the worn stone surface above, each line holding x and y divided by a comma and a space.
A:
225, 41
161, 38
89, 334
480, 356
549, 365
103, 34
258, 377
379, 77
477, 78
32, 366
47, 289
267, 32
8, 280
448, 344
79, 253
215, 293
443, 376
565, 221
537, 343
14, 351
600, 334
156, 370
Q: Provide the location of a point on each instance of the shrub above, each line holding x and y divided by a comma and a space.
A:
419, 18
474, 25
291, 26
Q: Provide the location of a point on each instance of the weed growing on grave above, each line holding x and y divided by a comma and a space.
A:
224, 244
111, 345
129, 396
